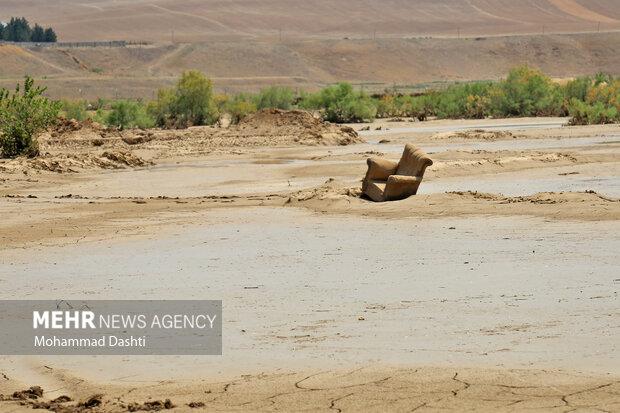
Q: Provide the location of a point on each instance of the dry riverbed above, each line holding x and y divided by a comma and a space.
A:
495, 288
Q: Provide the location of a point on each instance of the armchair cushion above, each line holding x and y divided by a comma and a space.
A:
380, 168
401, 187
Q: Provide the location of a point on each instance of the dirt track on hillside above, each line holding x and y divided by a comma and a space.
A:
314, 19
249, 65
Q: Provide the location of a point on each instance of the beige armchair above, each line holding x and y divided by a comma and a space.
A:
390, 181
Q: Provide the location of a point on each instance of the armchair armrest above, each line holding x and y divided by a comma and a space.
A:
401, 187
380, 169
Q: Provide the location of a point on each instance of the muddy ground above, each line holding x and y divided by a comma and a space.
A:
495, 288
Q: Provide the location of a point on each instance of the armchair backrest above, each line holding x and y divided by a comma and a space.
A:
413, 162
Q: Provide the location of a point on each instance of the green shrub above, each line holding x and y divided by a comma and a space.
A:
161, 108
220, 100
601, 104
607, 93
526, 92
126, 114
100, 116
422, 107
583, 113
275, 97
389, 106
466, 100
24, 114
578, 89
601, 77
310, 101
340, 103
101, 103
189, 103
239, 106
74, 110
193, 100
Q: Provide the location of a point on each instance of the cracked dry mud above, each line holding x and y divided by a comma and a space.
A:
361, 389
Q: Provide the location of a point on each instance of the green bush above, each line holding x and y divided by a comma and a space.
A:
466, 100
126, 114
601, 104
275, 97
578, 89
601, 77
390, 106
341, 104
24, 114
421, 107
583, 113
74, 110
607, 93
189, 103
526, 92
239, 106
101, 103
385, 107
161, 108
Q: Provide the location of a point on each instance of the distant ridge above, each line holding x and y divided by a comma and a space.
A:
248, 65
199, 20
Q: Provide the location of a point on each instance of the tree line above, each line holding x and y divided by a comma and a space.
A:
18, 30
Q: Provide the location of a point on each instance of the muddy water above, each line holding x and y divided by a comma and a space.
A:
601, 178
287, 170
280, 172
307, 290
499, 126
508, 145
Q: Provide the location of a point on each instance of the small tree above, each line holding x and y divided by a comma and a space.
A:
50, 36
24, 114
527, 92
193, 103
190, 103
38, 34
18, 30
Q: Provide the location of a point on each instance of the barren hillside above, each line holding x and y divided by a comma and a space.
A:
252, 64
194, 20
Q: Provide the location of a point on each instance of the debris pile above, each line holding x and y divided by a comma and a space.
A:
301, 126
73, 162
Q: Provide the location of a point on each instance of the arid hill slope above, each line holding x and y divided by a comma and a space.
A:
250, 65
194, 20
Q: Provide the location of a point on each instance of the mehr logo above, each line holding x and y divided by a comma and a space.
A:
111, 327
63, 319
77, 319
